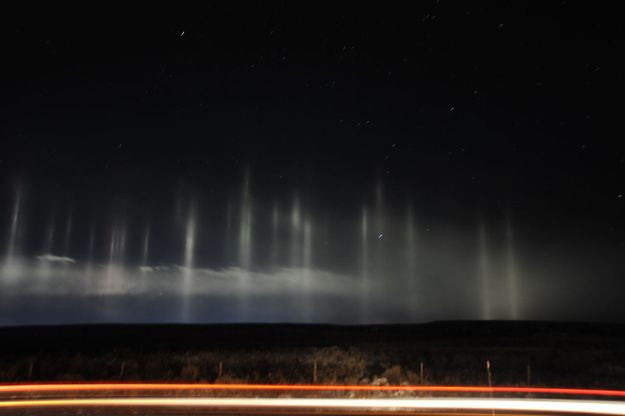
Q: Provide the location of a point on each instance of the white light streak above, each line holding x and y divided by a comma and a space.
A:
373, 405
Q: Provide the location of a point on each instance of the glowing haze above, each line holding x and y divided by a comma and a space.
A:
248, 259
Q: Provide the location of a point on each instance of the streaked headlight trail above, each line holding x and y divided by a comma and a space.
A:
94, 396
374, 405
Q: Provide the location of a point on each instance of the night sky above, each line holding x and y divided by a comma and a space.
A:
312, 162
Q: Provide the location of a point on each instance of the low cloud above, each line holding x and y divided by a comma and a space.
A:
56, 259
58, 275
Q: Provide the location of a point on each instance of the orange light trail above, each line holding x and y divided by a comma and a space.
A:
17, 388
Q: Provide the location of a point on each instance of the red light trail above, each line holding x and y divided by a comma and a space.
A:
77, 387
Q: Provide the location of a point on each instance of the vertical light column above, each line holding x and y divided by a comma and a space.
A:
511, 271
112, 257
11, 269
13, 229
188, 264
227, 248
296, 226
245, 249
275, 226
484, 272
379, 272
245, 225
380, 224
189, 240
145, 249
87, 280
67, 240
306, 267
411, 261
364, 265
117, 254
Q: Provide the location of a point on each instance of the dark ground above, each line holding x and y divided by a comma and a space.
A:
520, 353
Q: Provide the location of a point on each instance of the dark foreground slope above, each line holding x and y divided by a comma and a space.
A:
537, 353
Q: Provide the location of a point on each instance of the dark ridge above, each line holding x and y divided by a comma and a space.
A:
176, 337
